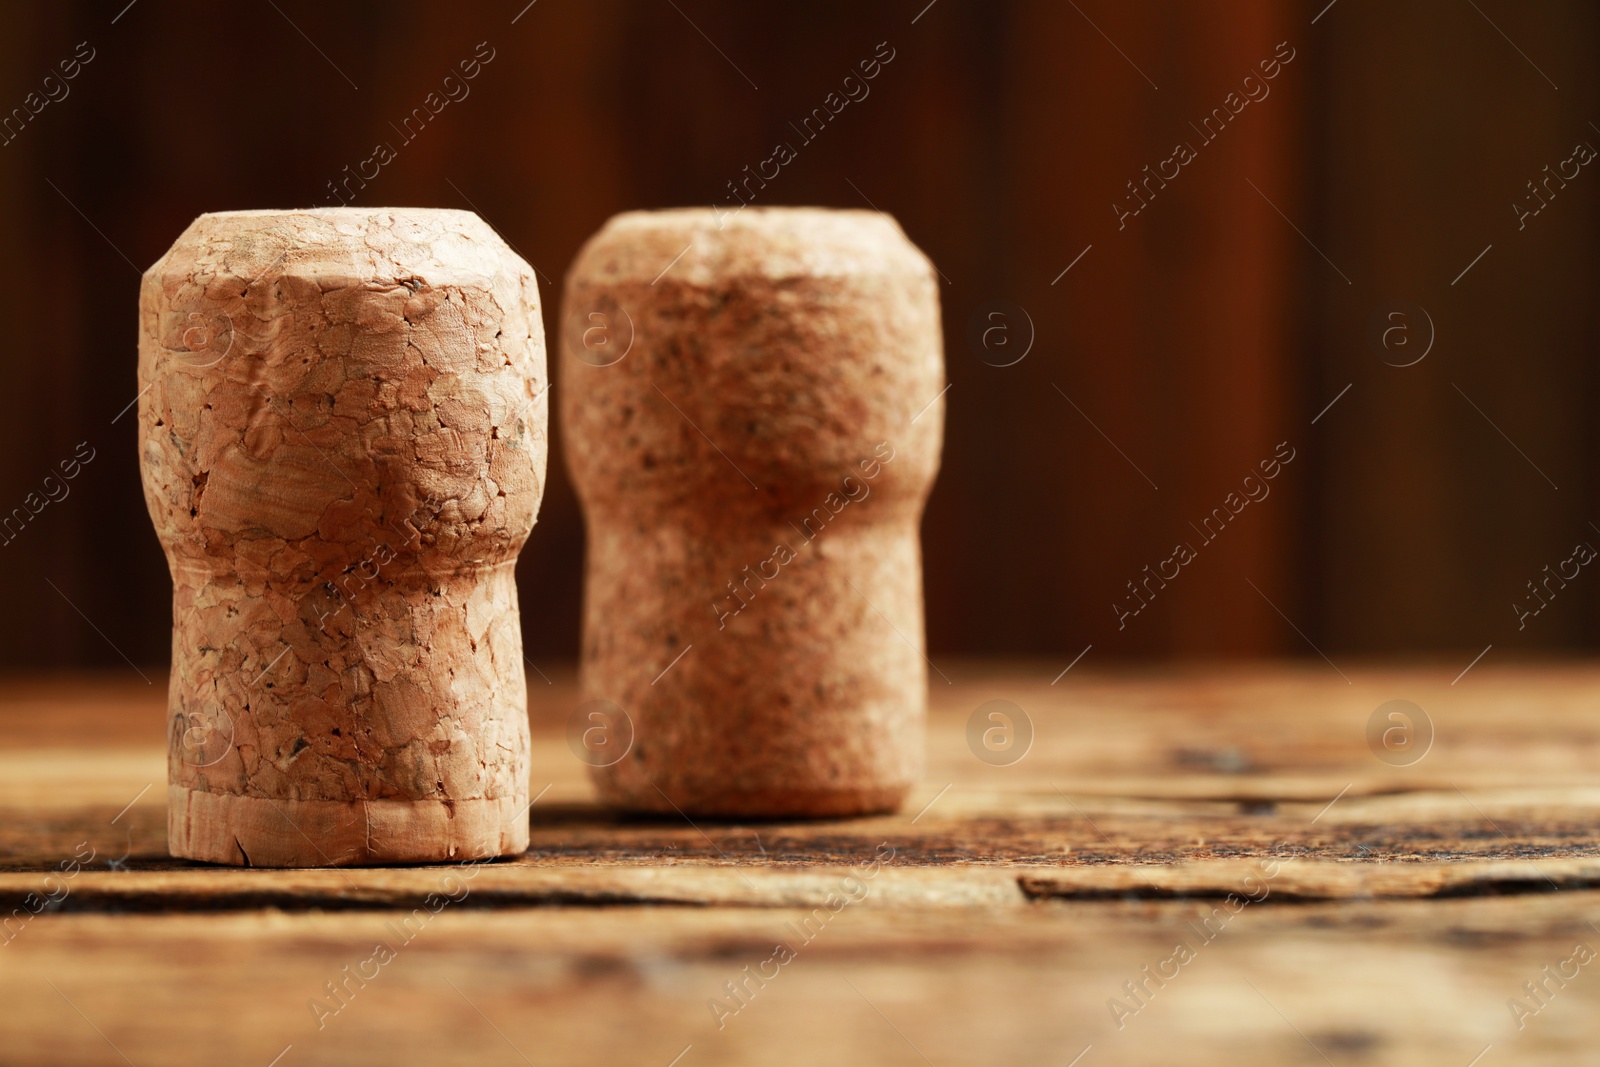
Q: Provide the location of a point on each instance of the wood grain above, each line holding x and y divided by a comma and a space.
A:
1333, 908
999, 137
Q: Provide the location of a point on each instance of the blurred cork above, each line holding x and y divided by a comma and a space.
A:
753, 411
342, 439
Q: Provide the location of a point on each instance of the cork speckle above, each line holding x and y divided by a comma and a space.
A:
343, 447
752, 472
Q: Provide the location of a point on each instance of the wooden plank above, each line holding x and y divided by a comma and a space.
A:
1193, 767
1436, 118
910, 882
1378, 983
1333, 908
588, 108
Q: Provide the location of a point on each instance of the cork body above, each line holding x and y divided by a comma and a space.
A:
753, 412
342, 438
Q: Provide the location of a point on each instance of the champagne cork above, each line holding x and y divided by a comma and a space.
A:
342, 438
753, 410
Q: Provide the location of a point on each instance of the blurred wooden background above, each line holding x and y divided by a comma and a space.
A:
1172, 357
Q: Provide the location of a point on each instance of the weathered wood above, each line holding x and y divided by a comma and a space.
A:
1382, 983
1390, 915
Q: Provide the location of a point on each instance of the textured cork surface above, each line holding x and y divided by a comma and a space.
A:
342, 437
754, 415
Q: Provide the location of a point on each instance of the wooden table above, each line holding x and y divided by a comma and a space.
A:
1330, 907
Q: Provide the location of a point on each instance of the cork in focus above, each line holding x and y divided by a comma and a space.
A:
342, 432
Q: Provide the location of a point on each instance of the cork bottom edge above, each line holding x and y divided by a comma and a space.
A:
836, 803
241, 831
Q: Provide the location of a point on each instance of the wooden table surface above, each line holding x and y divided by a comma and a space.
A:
1186, 866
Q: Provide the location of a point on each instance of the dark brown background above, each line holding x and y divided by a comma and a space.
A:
1195, 339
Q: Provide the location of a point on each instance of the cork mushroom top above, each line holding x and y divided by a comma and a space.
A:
337, 245
309, 378
735, 362
764, 242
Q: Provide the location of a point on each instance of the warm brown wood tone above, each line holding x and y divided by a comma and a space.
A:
1398, 910
1425, 151
1161, 378
999, 136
